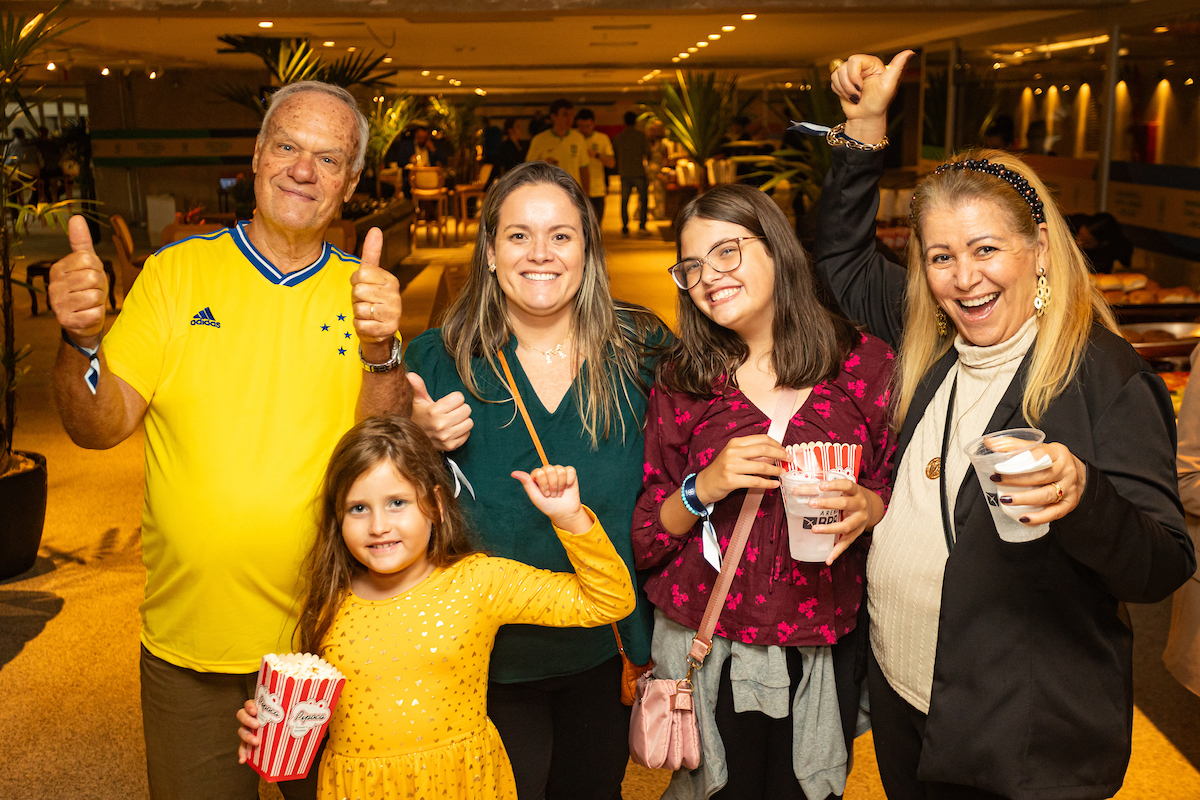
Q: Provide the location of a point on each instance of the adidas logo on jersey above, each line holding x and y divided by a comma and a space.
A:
205, 317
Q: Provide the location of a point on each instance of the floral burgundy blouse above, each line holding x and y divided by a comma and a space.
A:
773, 600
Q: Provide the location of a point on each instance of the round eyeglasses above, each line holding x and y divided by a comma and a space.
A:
724, 256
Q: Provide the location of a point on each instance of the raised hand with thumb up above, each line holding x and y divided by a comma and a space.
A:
375, 293
866, 86
447, 422
78, 287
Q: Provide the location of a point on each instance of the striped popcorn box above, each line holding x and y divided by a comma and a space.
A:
296, 696
824, 460
803, 459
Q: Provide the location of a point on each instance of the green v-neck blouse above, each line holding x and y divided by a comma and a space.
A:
506, 522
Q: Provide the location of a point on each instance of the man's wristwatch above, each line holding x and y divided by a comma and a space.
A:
386, 366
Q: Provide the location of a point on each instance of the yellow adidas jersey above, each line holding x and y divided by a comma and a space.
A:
251, 378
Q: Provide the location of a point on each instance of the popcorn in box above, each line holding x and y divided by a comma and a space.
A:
296, 696
825, 460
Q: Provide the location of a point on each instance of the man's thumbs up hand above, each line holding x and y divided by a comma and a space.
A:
78, 287
375, 293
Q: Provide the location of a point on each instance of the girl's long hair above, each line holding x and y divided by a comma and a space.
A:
810, 341
1074, 305
612, 343
330, 567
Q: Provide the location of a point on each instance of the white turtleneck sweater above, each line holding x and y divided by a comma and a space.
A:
908, 553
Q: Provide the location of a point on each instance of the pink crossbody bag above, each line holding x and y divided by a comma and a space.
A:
662, 727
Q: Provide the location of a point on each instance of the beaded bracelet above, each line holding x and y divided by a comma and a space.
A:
687, 493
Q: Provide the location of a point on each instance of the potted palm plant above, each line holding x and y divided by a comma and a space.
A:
697, 114
22, 475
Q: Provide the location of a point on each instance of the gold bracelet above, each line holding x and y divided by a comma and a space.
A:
837, 138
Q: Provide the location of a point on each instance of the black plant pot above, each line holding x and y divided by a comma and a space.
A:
23, 498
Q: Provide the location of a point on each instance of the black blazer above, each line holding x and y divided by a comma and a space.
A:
1032, 687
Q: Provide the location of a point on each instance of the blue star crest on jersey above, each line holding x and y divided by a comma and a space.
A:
205, 317
339, 329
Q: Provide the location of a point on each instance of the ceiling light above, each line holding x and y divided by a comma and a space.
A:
641, 81
1188, 82
712, 37
1168, 63
1162, 29
424, 73
997, 65
693, 49
787, 85
748, 17
675, 59
266, 24
153, 75
1037, 90
51, 66
1050, 48
728, 28
701, 44
1066, 88
104, 71
440, 77
685, 55
655, 71
481, 92
329, 44
387, 60
351, 49
1037, 76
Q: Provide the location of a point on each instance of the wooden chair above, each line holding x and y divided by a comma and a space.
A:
454, 278
464, 192
432, 200
129, 264
179, 230
342, 234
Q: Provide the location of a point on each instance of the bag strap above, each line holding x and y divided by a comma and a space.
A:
702, 643
537, 443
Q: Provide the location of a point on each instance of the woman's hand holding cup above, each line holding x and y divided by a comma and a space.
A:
861, 509
742, 464
1066, 473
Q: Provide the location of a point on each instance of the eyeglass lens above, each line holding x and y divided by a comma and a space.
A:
723, 257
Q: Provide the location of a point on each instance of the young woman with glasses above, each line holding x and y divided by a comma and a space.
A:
777, 698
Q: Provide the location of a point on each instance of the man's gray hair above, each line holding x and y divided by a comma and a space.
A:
292, 89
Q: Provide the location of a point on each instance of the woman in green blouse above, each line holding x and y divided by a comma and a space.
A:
582, 362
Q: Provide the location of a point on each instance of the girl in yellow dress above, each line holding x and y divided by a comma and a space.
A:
401, 603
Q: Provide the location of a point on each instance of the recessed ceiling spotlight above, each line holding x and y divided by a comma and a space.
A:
387, 59
351, 49
749, 17
481, 92
728, 28
1168, 63
1037, 76
440, 77
787, 85
685, 55
265, 24
104, 71
712, 37
1188, 82
1066, 88
693, 49
1037, 90
1162, 29
655, 72
51, 66
153, 75
674, 59
701, 44
997, 65
329, 44
424, 73
641, 81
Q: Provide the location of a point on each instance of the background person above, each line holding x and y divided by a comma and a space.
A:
562, 145
1182, 655
631, 150
999, 667
582, 362
512, 149
244, 355
600, 156
751, 326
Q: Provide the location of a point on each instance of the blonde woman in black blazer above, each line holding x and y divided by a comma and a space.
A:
1027, 692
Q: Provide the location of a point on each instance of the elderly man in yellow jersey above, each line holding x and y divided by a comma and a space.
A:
245, 354
561, 144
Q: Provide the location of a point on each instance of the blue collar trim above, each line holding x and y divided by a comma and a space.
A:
269, 270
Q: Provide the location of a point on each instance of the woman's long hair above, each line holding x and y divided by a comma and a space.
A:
330, 566
1073, 307
612, 343
810, 341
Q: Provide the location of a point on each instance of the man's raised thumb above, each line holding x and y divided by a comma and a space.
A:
80, 235
419, 390
372, 247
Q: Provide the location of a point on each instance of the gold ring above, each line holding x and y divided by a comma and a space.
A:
1058, 489
834, 65
373, 317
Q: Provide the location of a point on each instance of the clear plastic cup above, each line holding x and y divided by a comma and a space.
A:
805, 545
987, 453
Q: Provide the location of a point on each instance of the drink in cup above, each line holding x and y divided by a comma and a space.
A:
798, 489
1008, 452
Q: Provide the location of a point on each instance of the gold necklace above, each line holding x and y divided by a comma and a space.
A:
558, 350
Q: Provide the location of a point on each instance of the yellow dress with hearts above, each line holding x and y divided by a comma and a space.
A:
412, 719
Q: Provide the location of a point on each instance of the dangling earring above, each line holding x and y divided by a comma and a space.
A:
942, 322
1043, 293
